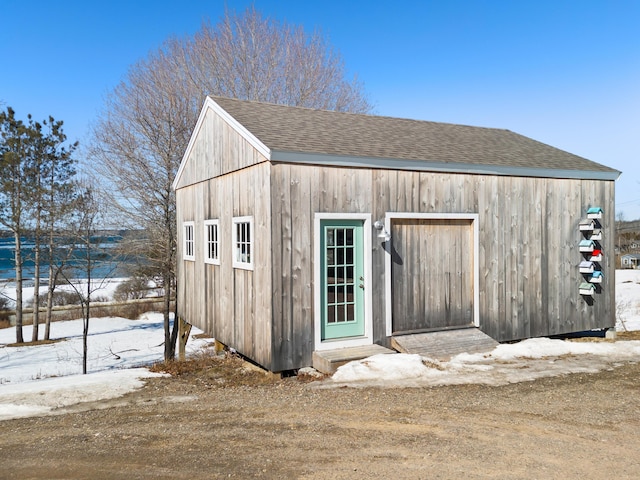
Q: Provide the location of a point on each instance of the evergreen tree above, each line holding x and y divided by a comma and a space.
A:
15, 141
36, 185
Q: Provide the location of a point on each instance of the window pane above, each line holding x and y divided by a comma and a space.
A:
349, 255
330, 237
350, 312
188, 240
331, 314
330, 256
242, 245
349, 236
331, 275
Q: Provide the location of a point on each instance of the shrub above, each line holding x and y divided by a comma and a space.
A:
4, 313
63, 297
60, 298
131, 289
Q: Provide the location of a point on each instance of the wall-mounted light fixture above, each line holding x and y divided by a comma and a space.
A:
379, 225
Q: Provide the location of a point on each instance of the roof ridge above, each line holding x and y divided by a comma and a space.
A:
369, 115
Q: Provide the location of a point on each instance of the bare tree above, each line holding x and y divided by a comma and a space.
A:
87, 213
137, 150
250, 57
147, 120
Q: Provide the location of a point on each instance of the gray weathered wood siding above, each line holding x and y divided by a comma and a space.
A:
226, 177
218, 150
297, 193
528, 246
232, 304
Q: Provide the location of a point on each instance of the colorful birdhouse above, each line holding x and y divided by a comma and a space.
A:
594, 212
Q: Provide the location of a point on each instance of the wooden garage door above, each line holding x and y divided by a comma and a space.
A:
432, 274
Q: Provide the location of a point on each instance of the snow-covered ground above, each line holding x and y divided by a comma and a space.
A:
103, 288
627, 300
35, 380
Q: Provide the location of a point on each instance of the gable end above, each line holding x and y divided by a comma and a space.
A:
210, 106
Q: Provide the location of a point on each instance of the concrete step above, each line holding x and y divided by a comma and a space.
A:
328, 361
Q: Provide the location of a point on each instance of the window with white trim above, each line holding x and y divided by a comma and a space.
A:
242, 242
188, 241
211, 242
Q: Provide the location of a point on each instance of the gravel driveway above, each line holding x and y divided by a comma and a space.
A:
226, 421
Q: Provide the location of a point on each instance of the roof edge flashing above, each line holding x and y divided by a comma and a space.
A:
437, 166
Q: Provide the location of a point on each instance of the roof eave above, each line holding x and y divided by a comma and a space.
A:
436, 166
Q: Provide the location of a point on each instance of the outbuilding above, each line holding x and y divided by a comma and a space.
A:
630, 260
303, 230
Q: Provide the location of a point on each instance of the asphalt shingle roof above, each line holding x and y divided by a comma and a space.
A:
303, 130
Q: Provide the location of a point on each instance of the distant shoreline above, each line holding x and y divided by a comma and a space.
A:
107, 263
107, 287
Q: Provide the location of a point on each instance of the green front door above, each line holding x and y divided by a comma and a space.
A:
342, 278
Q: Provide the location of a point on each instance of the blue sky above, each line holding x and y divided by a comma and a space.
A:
566, 73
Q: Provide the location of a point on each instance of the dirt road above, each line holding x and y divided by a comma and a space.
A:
225, 422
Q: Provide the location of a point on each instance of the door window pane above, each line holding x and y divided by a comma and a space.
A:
339, 255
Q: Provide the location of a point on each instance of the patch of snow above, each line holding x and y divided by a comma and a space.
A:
508, 363
36, 380
44, 396
627, 300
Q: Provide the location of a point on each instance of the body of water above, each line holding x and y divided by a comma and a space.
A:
104, 262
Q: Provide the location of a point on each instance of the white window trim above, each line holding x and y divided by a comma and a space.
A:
185, 226
367, 338
236, 263
474, 217
207, 240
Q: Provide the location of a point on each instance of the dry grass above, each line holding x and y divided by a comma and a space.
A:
620, 336
632, 335
431, 364
220, 370
33, 344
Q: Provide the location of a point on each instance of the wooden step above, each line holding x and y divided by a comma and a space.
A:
442, 345
328, 361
